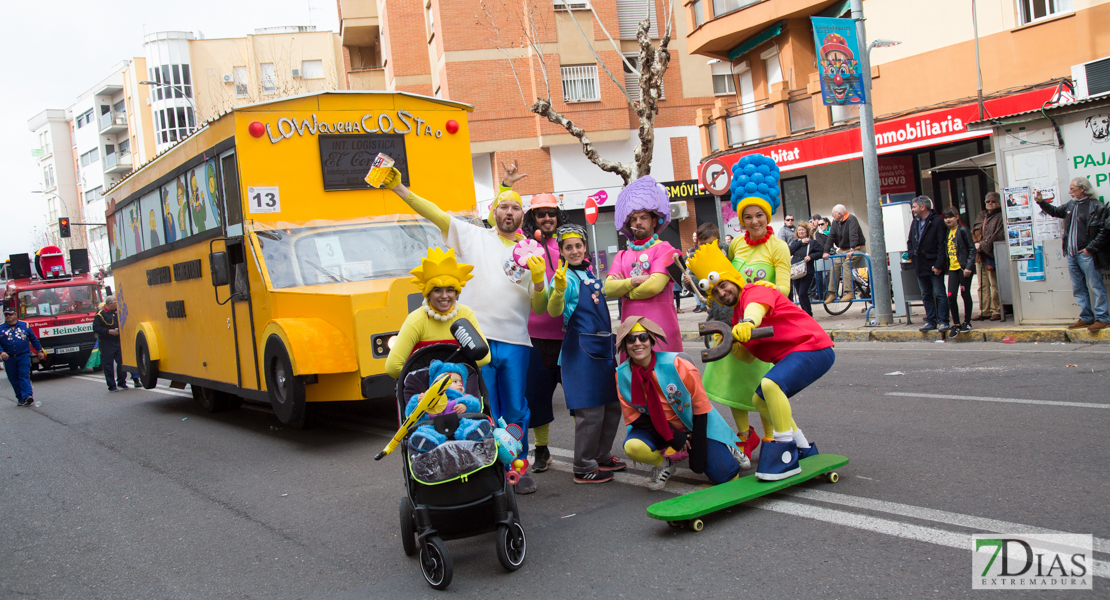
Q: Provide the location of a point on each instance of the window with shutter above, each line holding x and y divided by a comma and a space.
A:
629, 15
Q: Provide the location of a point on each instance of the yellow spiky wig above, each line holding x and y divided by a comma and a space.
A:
710, 267
439, 269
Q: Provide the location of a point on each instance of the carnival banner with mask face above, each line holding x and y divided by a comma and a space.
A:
838, 61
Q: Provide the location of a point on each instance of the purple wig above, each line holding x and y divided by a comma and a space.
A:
643, 194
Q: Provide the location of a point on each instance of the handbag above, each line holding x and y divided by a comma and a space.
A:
798, 270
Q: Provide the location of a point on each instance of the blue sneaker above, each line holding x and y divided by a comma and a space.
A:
808, 452
777, 460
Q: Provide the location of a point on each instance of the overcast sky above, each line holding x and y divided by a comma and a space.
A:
58, 49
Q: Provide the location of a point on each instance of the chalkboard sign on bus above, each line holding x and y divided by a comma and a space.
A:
346, 159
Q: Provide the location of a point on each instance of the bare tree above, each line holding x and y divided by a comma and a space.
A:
520, 30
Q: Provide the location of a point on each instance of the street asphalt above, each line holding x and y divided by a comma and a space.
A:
139, 494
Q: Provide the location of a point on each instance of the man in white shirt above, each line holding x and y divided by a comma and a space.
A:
501, 294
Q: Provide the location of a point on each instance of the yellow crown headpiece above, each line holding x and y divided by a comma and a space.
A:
440, 269
710, 267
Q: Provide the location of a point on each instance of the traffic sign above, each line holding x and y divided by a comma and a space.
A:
715, 177
591, 210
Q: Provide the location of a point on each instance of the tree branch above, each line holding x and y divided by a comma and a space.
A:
543, 108
616, 46
600, 62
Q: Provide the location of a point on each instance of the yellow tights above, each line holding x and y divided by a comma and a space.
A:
640, 452
774, 409
540, 434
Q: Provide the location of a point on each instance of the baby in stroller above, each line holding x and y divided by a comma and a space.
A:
430, 433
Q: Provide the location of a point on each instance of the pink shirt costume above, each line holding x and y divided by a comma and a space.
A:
543, 326
660, 307
647, 194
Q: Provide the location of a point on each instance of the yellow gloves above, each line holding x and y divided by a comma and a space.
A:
538, 269
559, 280
766, 283
393, 179
742, 331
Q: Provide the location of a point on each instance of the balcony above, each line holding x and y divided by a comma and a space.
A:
117, 163
358, 22
749, 125
112, 122
372, 78
734, 22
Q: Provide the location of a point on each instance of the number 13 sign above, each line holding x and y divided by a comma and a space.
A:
264, 199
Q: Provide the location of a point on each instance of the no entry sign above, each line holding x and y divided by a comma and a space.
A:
591, 211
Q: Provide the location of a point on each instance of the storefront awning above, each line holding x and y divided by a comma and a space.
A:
968, 164
750, 44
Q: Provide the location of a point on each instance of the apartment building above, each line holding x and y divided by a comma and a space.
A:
53, 157
446, 48
924, 90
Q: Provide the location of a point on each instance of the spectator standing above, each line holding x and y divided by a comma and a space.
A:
820, 233
787, 234
16, 340
804, 249
845, 237
926, 249
1087, 246
961, 267
987, 230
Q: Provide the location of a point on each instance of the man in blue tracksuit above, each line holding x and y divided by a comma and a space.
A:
16, 339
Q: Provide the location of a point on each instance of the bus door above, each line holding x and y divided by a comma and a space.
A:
242, 311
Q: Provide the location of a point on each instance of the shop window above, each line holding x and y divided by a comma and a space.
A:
795, 198
1033, 10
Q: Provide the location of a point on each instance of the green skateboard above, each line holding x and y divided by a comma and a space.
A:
690, 507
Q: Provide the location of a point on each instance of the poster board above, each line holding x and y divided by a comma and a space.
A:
1017, 204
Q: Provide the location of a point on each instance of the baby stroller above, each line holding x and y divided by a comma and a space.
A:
457, 490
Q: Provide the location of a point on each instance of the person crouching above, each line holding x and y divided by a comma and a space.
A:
665, 404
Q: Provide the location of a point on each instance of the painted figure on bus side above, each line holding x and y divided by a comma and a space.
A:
840, 71
182, 222
197, 204
210, 175
171, 231
154, 240
117, 237
134, 221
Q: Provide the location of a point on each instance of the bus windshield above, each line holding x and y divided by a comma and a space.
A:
301, 256
56, 301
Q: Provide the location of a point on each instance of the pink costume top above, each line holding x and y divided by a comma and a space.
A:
660, 307
544, 326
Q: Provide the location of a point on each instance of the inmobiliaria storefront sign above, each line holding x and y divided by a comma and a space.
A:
895, 135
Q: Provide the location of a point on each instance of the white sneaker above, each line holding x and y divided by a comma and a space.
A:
660, 474
738, 454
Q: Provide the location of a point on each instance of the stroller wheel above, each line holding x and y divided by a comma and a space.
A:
408, 528
511, 546
435, 563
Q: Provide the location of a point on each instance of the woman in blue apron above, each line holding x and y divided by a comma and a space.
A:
587, 357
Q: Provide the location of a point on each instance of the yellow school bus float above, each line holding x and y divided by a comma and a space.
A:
252, 261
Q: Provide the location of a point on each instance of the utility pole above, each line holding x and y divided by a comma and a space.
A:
880, 274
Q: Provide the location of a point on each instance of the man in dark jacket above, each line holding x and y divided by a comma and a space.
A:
845, 237
1087, 246
106, 326
928, 250
988, 229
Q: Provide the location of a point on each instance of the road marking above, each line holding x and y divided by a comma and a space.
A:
155, 390
940, 537
1009, 400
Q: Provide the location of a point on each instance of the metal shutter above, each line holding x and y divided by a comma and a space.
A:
629, 15
1098, 76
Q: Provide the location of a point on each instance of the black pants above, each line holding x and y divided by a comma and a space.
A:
802, 286
678, 298
956, 280
111, 360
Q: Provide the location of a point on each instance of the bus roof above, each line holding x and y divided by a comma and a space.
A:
204, 127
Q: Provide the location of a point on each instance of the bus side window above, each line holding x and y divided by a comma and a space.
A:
237, 259
233, 208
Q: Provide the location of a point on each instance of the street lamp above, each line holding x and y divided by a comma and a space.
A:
880, 275
179, 89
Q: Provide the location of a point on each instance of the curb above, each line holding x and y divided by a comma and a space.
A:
1021, 336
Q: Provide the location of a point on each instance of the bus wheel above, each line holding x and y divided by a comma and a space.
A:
211, 401
148, 369
287, 393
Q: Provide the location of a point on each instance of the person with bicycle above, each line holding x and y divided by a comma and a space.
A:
800, 351
845, 237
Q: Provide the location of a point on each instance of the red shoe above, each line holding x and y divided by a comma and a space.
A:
749, 445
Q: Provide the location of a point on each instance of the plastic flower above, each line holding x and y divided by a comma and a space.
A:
525, 249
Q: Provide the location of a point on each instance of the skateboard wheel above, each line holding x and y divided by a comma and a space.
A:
697, 525
674, 523
834, 477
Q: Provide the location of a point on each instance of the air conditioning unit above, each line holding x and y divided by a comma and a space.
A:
229, 79
1092, 78
679, 210
296, 73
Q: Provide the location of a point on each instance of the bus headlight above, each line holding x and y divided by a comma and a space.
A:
382, 343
